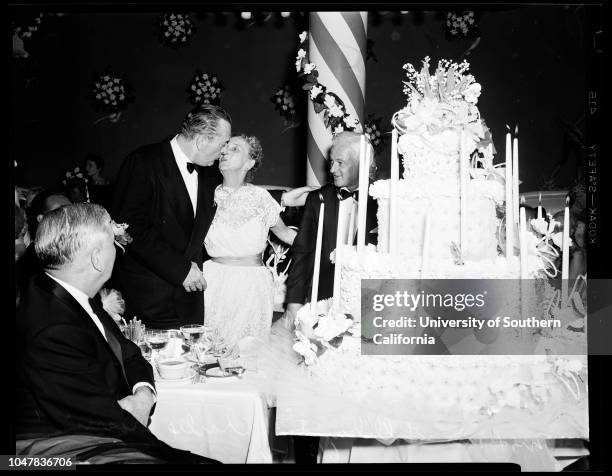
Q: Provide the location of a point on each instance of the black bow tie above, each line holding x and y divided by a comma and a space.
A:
344, 193
191, 167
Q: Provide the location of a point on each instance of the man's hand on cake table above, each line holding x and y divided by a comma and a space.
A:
139, 405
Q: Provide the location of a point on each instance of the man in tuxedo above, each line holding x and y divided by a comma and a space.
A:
339, 197
165, 193
80, 383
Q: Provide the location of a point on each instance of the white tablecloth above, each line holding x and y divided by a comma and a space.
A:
223, 419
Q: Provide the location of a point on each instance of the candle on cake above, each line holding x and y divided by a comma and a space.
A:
565, 254
364, 153
515, 177
393, 193
509, 206
317, 262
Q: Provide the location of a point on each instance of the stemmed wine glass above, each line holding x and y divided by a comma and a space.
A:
157, 340
192, 333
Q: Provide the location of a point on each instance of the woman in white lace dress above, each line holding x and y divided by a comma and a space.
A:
238, 300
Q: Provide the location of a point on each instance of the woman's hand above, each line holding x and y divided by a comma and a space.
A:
283, 232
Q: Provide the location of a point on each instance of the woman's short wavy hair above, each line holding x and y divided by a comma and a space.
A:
255, 153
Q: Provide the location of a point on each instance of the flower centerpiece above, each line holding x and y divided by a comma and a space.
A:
440, 104
320, 330
205, 88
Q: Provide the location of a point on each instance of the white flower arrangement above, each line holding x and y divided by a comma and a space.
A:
443, 101
460, 25
321, 330
74, 174
205, 88
110, 92
176, 29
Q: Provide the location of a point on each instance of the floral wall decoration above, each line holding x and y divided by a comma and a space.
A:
205, 88
334, 112
372, 130
175, 29
461, 25
24, 30
111, 93
285, 103
76, 177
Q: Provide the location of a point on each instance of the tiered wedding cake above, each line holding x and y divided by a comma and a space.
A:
440, 396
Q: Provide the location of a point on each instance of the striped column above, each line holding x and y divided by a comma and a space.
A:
338, 49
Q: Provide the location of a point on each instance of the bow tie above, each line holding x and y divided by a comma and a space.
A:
344, 193
191, 167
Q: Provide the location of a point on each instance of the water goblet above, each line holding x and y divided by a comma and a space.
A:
192, 333
157, 340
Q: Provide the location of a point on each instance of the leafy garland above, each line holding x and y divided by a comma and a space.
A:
175, 29
205, 88
335, 116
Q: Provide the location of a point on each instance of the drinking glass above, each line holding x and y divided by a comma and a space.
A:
192, 333
217, 344
157, 340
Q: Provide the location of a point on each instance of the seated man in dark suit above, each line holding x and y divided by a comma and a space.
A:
338, 197
80, 382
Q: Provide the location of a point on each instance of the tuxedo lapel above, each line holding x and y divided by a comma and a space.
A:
175, 189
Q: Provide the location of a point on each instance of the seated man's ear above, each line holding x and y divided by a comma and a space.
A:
39, 217
96, 259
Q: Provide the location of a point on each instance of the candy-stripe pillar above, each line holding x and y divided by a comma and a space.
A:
338, 49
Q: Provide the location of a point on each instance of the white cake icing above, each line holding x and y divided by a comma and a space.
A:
444, 396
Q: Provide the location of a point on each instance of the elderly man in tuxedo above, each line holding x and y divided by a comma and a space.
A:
338, 197
81, 385
165, 193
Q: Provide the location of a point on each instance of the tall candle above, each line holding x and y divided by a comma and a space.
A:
351, 225
393, 194
364, 152
463, 174
340, 241
540, 206
426, 238
509, 206
523, 244
565, 255
515, 177
317, 262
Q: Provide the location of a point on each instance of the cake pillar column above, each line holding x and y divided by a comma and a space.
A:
338, 48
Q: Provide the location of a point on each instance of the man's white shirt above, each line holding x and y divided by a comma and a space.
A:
190, 179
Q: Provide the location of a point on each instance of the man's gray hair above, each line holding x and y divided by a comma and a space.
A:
347, 139
64, 232
203, 119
